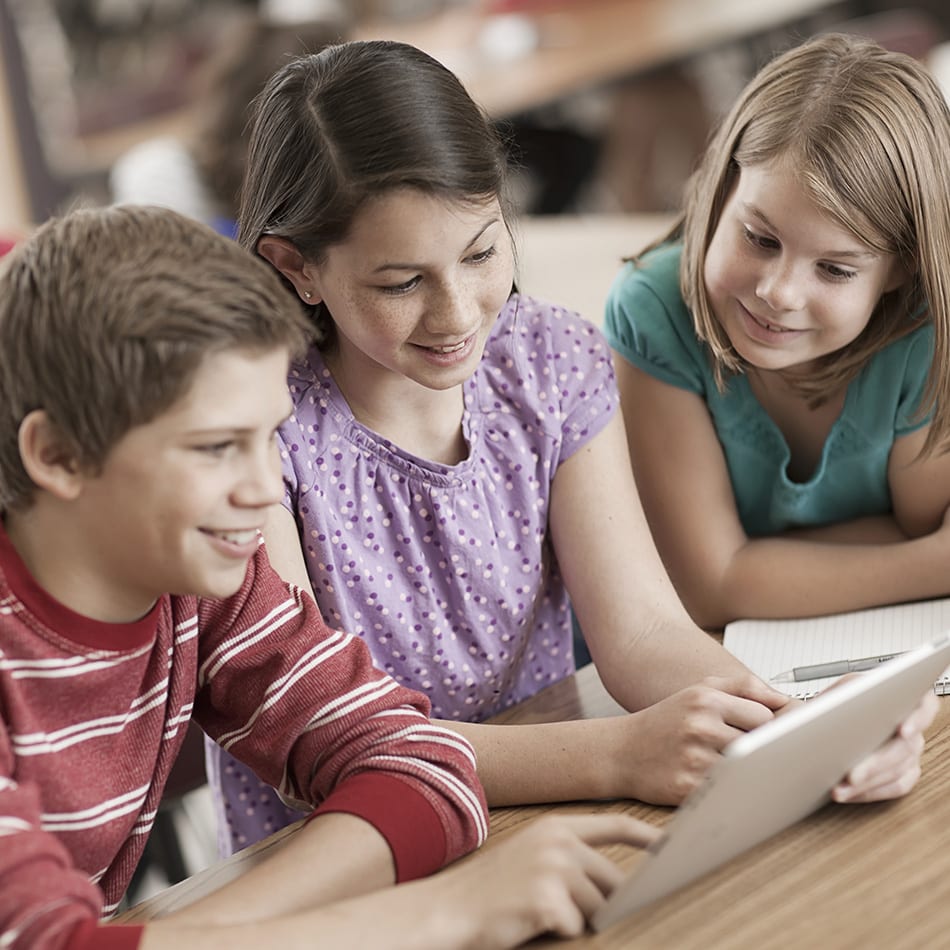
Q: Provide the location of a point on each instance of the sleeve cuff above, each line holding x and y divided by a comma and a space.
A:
400, 813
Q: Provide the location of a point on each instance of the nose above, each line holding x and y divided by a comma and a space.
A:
453, 312
260, 483
780, 287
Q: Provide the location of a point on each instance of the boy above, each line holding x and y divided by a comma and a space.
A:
143, 366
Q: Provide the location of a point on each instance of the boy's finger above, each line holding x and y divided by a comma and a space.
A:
613, 829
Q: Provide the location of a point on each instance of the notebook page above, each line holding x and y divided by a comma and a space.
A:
769, 647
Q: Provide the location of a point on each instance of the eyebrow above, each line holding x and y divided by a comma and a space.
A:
407, 266
851, 254
224, 429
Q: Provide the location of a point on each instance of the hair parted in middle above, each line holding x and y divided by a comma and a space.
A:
357, 120
869, 132
106, 315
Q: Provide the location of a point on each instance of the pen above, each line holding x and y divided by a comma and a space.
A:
833, 668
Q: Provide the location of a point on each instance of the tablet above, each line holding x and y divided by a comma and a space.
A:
777, 774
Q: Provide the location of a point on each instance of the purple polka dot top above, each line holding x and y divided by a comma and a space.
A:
445, 571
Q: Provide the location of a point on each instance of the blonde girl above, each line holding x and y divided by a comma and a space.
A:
783, 356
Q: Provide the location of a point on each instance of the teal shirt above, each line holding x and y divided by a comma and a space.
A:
648, 324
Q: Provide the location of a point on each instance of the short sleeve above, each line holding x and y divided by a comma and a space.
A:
647, 323
919, 357
585, 379
553, 370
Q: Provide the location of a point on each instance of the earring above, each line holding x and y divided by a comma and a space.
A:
308, 294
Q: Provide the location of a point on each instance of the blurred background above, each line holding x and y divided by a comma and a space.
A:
606, 103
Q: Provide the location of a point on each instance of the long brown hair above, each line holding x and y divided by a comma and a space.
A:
352, 122
870, 132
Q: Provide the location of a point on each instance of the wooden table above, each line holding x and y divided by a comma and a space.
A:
849, 876
586, 43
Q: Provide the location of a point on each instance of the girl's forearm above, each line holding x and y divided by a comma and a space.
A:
874, 529
784, 577
544, 762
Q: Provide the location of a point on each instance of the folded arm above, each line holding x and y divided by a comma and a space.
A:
722, 574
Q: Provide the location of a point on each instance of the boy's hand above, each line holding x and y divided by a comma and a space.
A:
893, 770
662, 752
547, 878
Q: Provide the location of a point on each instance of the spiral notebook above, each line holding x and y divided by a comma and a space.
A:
770, 647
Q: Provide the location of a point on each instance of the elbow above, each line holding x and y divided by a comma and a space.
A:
711, 598
708, 613
917, 524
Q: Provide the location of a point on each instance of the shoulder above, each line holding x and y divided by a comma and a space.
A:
541, 322
645, 299
893, 382
914, 348
648, 323
308, 377
654, 275
537, 340
549, 367
907, 358
656, 271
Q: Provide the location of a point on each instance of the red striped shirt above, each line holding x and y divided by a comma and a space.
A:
93, 715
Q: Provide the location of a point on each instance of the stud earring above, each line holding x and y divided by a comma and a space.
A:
308, 294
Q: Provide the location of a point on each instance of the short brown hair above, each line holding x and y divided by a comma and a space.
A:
106, 315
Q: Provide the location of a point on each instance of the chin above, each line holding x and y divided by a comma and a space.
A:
217, 588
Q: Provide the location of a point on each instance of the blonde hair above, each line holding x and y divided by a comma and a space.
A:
105, 317
870, 132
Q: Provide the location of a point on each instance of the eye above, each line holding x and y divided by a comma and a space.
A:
402, 288
214, 448
836, 272
483, 256
759, 240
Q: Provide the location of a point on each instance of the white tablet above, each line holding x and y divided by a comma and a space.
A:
777, 774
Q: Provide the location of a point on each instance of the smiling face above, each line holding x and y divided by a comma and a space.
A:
177, 505
416, 288
786, 282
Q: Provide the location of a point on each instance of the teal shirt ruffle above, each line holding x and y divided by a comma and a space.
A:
648, 324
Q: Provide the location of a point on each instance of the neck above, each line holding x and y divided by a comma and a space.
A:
425, 422
61, 560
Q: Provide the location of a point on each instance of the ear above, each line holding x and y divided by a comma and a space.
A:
47, 458
287, 259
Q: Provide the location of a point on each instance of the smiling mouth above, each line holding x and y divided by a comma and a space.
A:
771, 327
234, 537
451, 348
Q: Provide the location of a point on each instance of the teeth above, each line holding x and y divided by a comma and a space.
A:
236, 537
448, 349
769, 326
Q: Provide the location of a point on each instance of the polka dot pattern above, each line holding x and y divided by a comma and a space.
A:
447, 572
